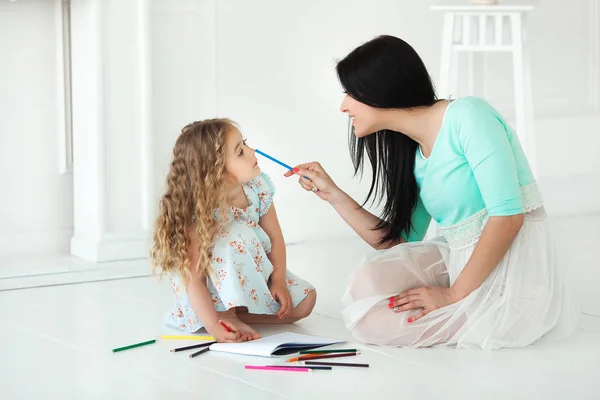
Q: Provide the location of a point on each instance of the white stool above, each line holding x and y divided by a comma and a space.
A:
466, 39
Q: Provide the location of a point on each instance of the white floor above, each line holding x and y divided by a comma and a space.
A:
56, 341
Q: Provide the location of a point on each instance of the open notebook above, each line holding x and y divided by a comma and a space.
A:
277, 345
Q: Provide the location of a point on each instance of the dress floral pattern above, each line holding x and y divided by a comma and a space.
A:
240, 264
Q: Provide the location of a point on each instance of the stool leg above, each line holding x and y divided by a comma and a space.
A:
471, 72
529, 119
446, 58
519, 82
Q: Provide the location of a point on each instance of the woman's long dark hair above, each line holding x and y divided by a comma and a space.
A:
386, 72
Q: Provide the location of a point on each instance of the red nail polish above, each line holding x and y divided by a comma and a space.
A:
410, 320
391, 299
391, 305
296, 170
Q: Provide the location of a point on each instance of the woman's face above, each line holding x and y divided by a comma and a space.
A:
363, 116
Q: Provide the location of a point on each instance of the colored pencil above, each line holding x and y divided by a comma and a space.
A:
276, 368
132, 346
190, 337
294, 359
199, 352
301, 366
224, 326
277, 161
320, 356
273, 159
334, 364
196, 346
328, 351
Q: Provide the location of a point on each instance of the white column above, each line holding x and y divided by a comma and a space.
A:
111, 205
148, 202
131, 97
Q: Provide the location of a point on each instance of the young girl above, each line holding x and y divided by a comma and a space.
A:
218, 239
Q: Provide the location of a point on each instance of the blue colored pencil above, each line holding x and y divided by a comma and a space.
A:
276, 160
273, 159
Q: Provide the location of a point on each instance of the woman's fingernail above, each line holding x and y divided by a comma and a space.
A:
296, 170
410, 320
391, 305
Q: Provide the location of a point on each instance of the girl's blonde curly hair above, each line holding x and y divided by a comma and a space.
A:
195, 192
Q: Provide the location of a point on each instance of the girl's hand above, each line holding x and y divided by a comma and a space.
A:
222, 336
320, 182
280, 293
428, 298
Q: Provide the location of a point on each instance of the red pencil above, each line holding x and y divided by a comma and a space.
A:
225, 326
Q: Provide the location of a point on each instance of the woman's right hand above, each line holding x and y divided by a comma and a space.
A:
320, 182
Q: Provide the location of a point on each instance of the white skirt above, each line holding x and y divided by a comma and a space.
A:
524, 300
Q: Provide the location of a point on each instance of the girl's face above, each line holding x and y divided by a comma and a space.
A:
240, 162
363, 117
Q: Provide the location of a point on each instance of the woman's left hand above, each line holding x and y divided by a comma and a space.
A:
428, 298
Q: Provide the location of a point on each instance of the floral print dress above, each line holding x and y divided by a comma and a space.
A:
240, 264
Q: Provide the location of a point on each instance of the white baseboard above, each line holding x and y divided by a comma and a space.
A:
112, 247
56, 270
50, 241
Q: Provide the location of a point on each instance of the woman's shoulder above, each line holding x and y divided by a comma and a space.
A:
471, 115
470, 106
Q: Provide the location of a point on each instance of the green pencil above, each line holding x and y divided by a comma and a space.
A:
131, 346
328, 351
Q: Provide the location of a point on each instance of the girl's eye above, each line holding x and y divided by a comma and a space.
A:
242, 151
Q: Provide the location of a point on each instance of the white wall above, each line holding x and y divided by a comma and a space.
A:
36, 201
183, 73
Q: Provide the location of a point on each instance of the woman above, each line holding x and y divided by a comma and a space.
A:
490, 280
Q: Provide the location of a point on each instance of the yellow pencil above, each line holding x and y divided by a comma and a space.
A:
192, 337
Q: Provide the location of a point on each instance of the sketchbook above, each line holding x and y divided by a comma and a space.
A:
276, 345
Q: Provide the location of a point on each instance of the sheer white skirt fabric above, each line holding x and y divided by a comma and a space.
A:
524, 300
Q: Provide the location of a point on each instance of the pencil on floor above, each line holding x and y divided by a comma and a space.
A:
322, 368
321, 356
196, 346
187, 337
199, 352
305, 352
132, 346
334, 364
278, 368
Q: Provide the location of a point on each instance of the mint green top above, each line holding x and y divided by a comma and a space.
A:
476, 163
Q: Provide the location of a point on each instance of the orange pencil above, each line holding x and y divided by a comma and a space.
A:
298, 358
